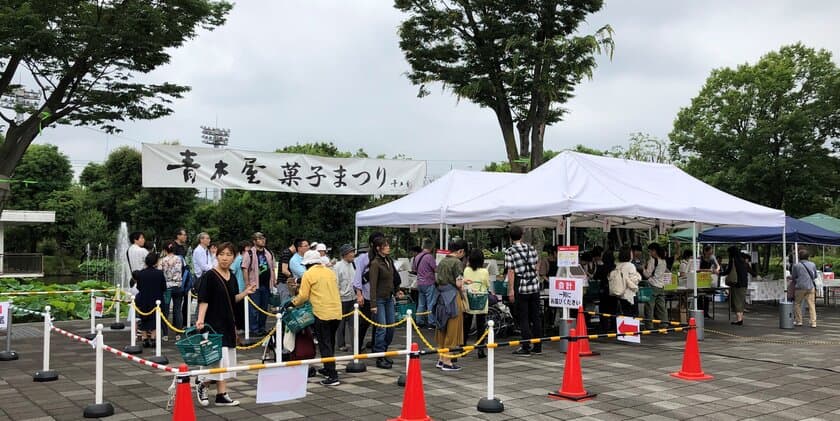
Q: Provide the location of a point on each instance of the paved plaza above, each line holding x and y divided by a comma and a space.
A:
762, 373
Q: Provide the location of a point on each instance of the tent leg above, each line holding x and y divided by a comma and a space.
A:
356, 238
693, 269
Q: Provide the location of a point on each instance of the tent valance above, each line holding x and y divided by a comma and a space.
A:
796, 231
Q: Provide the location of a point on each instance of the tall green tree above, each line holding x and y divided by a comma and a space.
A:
84, 56
644, 147
42, 171
763, 132
520, 58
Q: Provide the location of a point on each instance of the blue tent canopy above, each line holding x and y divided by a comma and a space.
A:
796, 232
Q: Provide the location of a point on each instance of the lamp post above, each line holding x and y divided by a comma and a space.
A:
218, 137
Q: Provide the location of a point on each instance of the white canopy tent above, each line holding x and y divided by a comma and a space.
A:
427, 207
610, 192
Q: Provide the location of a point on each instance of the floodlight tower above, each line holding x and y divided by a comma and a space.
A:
218, 137
21, 100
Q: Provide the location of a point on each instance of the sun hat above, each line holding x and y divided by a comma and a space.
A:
311, 257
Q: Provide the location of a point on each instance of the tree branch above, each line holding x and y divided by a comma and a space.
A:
7, 120
9, 72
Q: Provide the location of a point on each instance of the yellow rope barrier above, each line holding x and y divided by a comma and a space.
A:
168, 323
423, 313
348, 314
261, 341
462, 354
137, 310
381, 325
258, 307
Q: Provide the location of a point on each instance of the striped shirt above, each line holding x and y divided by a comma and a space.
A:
522, 258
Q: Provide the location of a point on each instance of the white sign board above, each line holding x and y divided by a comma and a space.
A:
628, 325
567, 256
98, 306
281, 383
4, 315
195, 167
565, 292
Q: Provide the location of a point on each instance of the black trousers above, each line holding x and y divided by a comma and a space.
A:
364, 325
480, 325
528, 313
325, 331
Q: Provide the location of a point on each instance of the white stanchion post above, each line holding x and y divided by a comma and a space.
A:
278, 338
46, 375
99, 409
189, 308
247, 321
491, 404
92, 334
158, 358
356, 366
117, 325
132, 319
401, 380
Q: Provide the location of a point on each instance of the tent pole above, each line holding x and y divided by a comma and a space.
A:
446, 236
784, 258
568, 241
795, 253
441, 237
356, 240
693, 269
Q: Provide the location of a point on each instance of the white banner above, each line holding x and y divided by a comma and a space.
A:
194, 167
4, 315
280, 384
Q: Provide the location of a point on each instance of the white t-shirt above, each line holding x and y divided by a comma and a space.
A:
137, 257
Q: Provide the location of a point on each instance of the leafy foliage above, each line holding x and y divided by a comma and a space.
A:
764, 132
64, 306
521, 59
42, 171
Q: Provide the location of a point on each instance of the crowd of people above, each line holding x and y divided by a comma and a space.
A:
224, 275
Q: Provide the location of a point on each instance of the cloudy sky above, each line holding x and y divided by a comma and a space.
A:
285, 72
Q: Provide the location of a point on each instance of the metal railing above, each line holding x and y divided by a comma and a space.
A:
22, 264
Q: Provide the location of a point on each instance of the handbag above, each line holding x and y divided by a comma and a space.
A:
732, 277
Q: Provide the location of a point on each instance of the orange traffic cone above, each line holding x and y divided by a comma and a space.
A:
184, 410
572, 386
583, 347
691, 369
414, 400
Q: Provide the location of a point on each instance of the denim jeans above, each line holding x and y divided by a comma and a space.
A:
176, 295
256, 317
427, 297
384, 315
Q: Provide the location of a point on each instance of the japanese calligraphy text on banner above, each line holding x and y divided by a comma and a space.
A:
565, 292
567, 256
195, 167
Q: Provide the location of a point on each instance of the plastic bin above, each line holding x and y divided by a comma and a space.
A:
198, 350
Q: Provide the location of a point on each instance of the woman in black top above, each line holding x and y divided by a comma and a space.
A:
218, 292
151, 283
738, 293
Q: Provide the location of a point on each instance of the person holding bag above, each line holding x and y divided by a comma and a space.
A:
654, 272
624, 283
218, 292
804, 275
476, 279
736, 276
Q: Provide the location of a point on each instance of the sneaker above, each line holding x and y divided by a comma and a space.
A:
381, 363
452, 367
390, 361
522, 352
536, 350
147, 343
201, 393
797, 324
343, 348
330, 381
225, 400
165, 338
323, 372
813, 325
439, 364
177, 337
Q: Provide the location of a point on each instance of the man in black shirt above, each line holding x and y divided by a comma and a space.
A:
181, 242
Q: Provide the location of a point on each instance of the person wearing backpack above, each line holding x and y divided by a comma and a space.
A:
654, 272
804, 275
624, 283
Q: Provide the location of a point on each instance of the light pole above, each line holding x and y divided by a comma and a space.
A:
20, 100
218, 137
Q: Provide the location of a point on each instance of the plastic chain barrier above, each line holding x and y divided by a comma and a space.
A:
253, 304
220, 370
554, 339
140, 313
28, 311
362, 315
115, 351
462, 354
593, 313
81, 291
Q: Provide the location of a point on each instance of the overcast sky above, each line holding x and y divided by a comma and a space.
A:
285, 72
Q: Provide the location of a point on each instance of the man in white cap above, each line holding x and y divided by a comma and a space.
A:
322, 250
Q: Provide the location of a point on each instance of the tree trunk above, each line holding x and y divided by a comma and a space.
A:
524, 138
18, 139
537, 136
503, 115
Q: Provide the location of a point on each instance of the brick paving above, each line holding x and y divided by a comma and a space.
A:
764, 374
